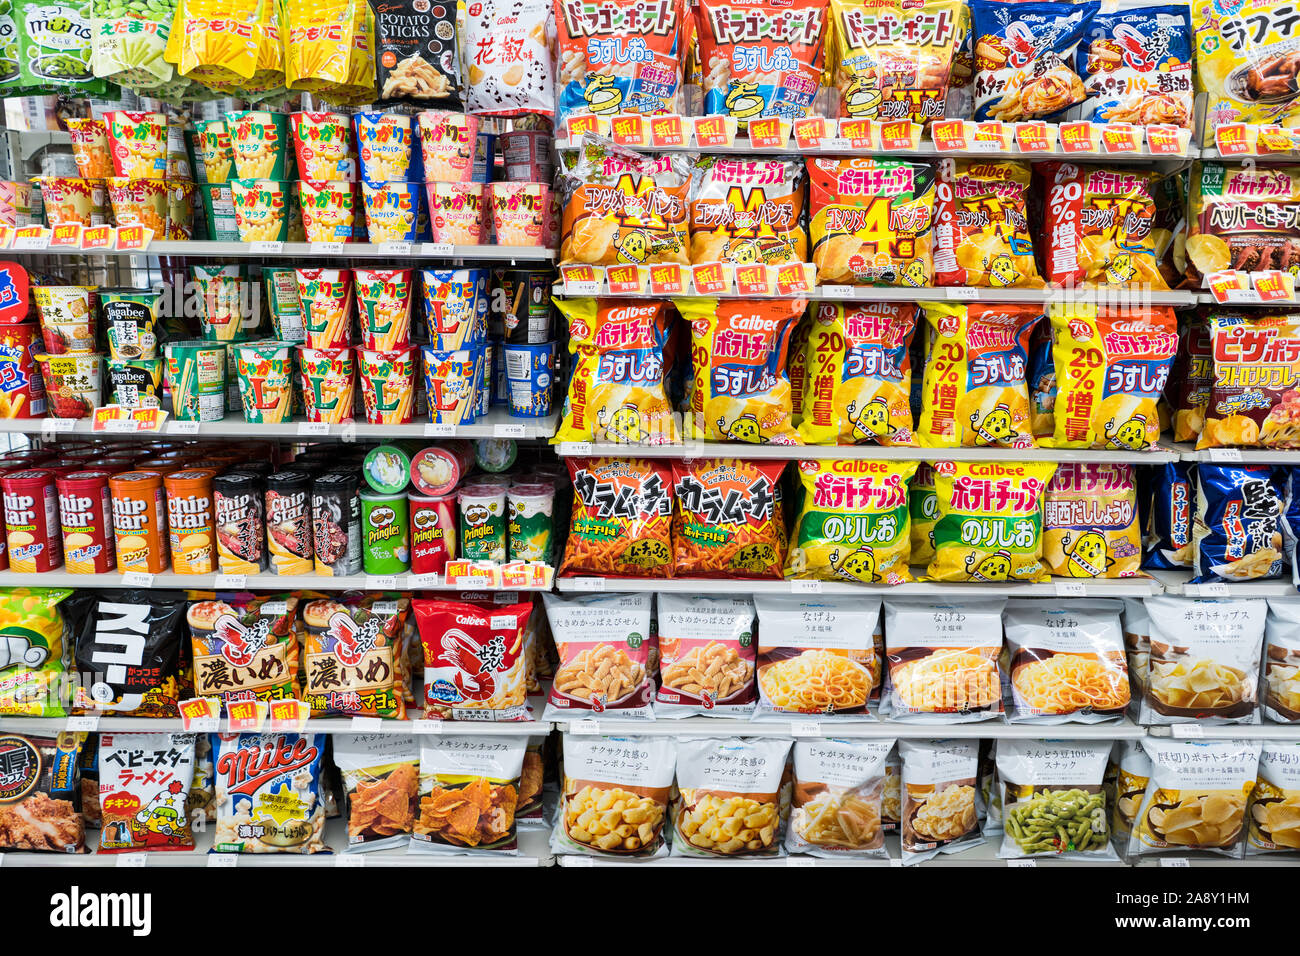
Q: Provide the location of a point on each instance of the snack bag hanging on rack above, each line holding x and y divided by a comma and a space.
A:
1136, 66
508, 57
54, 43
1024, 58
215, 41
747, 211
981, 232
318, 43
129, 41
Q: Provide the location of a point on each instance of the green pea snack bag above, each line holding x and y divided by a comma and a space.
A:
1052, 801
128, 39
54, 46
8, 47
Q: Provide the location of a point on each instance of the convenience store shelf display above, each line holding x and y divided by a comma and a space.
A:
302, 251
1059, 587
241, 582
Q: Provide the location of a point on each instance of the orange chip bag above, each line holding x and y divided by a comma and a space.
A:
729, 521
747, 210
622, 518
981, 232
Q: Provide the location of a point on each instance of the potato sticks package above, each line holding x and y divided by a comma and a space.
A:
269, 793
128, 42
858, 374
381, 775
1067, 663
727, 804
1273, 813
614, 796
990, 524
943, 660
604, 645
853, 523
1052, 800
760, 59
835, 812
871, 221
976, 394
623, 207
1024, 58
981, 231
475, 661
1196, 796
923, 513
1245, 62
817, 656
622, 518
34, 655
1281, 677
40, 805
244, 647
1169, 537
1133, 770
1100, 220
509, 61
729, 520
129, 652
317, 44
893, 60
416, 51
351, 656
468, 792
706, 656
1136, 66
1237, 526
740, 391
939, 783
1191, 381
1255, 396
747, 211
144, 782
1090, 521
1111, 368
1204, 663
621, 57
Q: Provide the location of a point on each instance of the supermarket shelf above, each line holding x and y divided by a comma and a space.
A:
415, 726
858, 729
1179, 583
305, 250
1206, 731
253, 582
1060, 587
709, 449
1122, 298
1249, 456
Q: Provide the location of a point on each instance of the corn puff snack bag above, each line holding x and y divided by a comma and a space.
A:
1243, 217
1090, 521
1024, 58
975, 392
981, 232
215, 41
129, 41
1111, 368
318, 43
1255, 398
859, 374
1099, 222
760, 59
923, 510
1192, 379
33, 656
729, 520
1137, 67
616, 392
740, 391
893, 60
854, 522
990, 524
747, 210
622, 518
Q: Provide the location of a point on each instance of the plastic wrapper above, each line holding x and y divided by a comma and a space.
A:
616, 810
33, 656
1243, 217
603, 643
1060, 778
1090, 521
981, 234
1254, 398
938, 673
706, 656
747, 211
728, 802
1025, 58
1136, 66
939, 785
508, 58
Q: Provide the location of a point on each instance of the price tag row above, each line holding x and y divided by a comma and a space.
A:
706, 278
76, 237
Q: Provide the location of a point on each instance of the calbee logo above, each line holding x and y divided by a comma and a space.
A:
78, 910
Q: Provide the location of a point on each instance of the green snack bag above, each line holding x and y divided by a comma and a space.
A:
8, 47
54, 42
128, 39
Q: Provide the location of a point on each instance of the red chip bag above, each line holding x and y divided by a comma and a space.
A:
475, 661
622, 517
729, 521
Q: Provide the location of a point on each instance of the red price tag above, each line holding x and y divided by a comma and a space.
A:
97, 237
667, 131
711, 278
667, 278
580, 280
810, 131
792, 278
6, 236
1164, 140
992, 137
1033, 138
133, 238
1120, 138
1274, 285
715, 131
578, 125
66, 235
898, 134
1076, 138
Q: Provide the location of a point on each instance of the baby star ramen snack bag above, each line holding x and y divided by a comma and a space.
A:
616, 390
622, 518
990, 524
740, 391
1024, 58
706, 656
729, 520
1052, 800
1244, 217
1169, 535
269, 797
380, 776
1273, 814
981, 232
468, 792
1090, 521
604, 643
939, 783
1111, 369
728, 797
943, 660
244, 647
975, 389
1237, 528
853, 522
614, 797
1137, 67
1204, 663
1281, 686
871, 221
33, 655
747, 211
858, 373
475, 658
1255, 398
144, 781
838, 786
923, 512
1196, 796
817, 656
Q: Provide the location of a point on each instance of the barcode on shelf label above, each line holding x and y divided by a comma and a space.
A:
438, 248
589, 584
805, 587
508, 430
183, 428
1180, 861
1071, 589
367, 725
58, 424
88, 723
223, 860
349, 861
418, 581
381, 582
326, 248
394, 248
1212, 589
267, 247
1022, 862
439, 430
800, 861
313, 428
132, 859
584, 726
805, 728
426, 726
231, 582
137, 579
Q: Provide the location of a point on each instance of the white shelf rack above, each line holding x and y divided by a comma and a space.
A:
1058, 587
415, 726
719, 449
250, 582
1206, 731
1179, 583
1240, 456
1123, 729
301, 251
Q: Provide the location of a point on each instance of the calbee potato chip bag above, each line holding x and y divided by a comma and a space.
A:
943, 660
1245, 62
1273, 814
1024, 58
838, 786
923, 512
1052, 800
1254, 399
747, 211
1243, 217
614, 796
1136, 66
981, 232
940, 779
1237, 527
729, 520
1090, 521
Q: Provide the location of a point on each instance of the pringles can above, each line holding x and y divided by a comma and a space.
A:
139, 521
238, 509
336, 524
32, 521
433, 532
86, 517
191, 526
289, 522
483, 531
385, 533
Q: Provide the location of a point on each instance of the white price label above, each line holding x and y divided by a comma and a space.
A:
426, 726
469, 582
1179, 861
805, 728
963, 292
267, 247
589, 584
439, 430
313, 428
394, 248
508, 431
132, 859
1071, 589
349, 861
1210, 589
122, 425
830, 143
182, 428
805, 587
577, 448
568, 860
1225, 454
1022, 862
326, 248
572, 287
831, 291
584, 726
224, 861
439, 249
1192, 730
58, 424
499, 622
418, 582
231, 582
381, 582
87, 723
800, 861
367, 725
896, 861
203, 725
137, 579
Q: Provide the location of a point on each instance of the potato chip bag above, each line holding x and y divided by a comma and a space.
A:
990, 524
1244, 217
623, 207
981, 232
508, 57
1090, 521
1111, 368
1255, 398
871, 221
1099, 223
1169, 533
33, 656
622, 518
975, 392
1042, 384
747, 211
1137, 67
1280, 687
923, 511
858, 369
1191, 382
853, 524
837, 797
1273, 814
1237, 530
350, 656
729, 521
616, 389
1024, 58
797, 367
740, 391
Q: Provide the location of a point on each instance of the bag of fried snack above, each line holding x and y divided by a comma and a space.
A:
747, 211
1195, 797
317, 52
622, 518
1243, 217
871, 221
1132, 771
1136, 624
1273, 813
604, 647
468, 791
144, 785
508, 58
475, 660
1237, 528
270, 797
975, 390
740, 391
40, 808
623, 207
858, 374
728, 797
381, 774
838, 786
1052, 800
939, 783
923, 513
351, 656
1136, 66
981, 229
1254, 399
614, 797
1191, 382
943, 660
729, 520
244, 647
1024, 58
529, 812
1281, 679
706, 656
417, 56
762, 59
34, 652
1169, 536
1090, 521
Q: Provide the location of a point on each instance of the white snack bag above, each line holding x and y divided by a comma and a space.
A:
482, 772
1136, 625
1052, 799
1204, 663
603, 642
940, 778
988, 799
891, 797
706, 657
838, 785
614, 799
943, 660
1273, 815
506, 45
728, 802
376, 768
1067, 663
1133, 770
1196, 796
1280, 687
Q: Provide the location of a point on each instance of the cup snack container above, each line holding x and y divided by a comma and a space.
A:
239, 510
455, 212
74, 200
219, 211
436, 470
384, 307
386, 147
530, 507
259, 144
86, 521
222, 293
289, 522
135, 383
196, 378
336, 524
526, 156
530, 375
387, 469
140, 202
67, 314
328, 384
139, 521
526, 310
483, 527
73, 383
90, 147
130, 322
191, 522
519, 212
487, 358
325, 299
387, 385
322, 143
137, 144
447, 144
32, 535
456, 306
280, 293
261, 209
392, 210
264, 371
433, 532
329, 210
385, 532
180, 209
213, 152
452, 380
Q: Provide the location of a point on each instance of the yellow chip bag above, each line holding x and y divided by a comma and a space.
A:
33, 658
858, 374
976, 393
923, 508
319, 43
990, 525
747, 211
738, 348
853, 523
1090, 523
1111, 369
981, 231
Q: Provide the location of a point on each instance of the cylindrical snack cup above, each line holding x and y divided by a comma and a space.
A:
196, 376
455, 212
219, 211
328, 384
213, 152
392, 210
280, 293
527, 307
455, 306
191, 526
24, 392
530, 375
90, 147
223, 290
447, 142
140, 202
433, 532
322, 143
387, 468
259, 142
438, 469
137, 143
452, 381
239, 510
384, 307
32, 533
336, 524
526, 154
67, 314
135, 383
178, 159
325, 297
385, 533
139, 521
81, 201
265, 380
388, 385
519, 212
488, 359
532, 531
288, 521
86, 520
180, 209
73, 383
130, 322
329, 210
483, 529
261, 209
484, 157
385, 146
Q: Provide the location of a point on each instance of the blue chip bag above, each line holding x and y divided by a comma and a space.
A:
1024, 58
1237, 532
1291, 519
1168, 542
1137, 67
